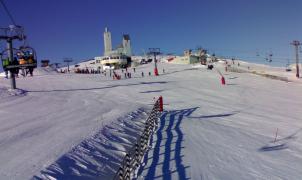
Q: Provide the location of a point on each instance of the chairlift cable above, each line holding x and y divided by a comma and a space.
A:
8, 13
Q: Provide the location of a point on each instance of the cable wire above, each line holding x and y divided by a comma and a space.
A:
8, 13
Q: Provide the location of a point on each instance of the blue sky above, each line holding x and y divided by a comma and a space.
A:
239, 28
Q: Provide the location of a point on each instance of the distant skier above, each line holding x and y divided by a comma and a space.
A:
133, 69
142, 74
149, 73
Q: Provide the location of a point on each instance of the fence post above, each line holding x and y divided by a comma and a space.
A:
121, 170
128, 166
161, 104
137, 155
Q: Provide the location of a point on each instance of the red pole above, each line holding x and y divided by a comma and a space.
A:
222, 80
155, 71
161, 104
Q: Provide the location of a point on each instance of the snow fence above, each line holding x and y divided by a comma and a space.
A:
134, 156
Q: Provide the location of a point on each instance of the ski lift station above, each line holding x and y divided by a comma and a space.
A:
188, 57
119, 57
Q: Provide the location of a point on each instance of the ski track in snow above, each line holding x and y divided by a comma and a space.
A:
79, 126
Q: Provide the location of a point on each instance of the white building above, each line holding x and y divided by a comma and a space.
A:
118, 57
188, 58
122, 49
107, 42
126, 45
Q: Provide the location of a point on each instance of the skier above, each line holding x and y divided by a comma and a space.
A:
142, 74
134, 69
22, 61
5, 62
149, 73
31, 61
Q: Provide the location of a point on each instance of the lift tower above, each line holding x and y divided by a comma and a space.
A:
68, 60
297, 44
13, 32
154, 52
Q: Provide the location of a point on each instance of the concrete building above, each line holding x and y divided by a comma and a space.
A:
123, 49
107, 42
118, 57
126, 45
45, 63
188, 58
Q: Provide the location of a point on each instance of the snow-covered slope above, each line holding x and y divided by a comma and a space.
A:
209, 131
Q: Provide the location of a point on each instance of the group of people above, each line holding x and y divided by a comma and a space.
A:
87, 71
112, 73
25, 58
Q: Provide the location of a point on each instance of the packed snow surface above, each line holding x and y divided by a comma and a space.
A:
78, 126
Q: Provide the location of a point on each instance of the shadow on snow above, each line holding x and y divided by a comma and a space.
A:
166, 151
100, 88
216, 115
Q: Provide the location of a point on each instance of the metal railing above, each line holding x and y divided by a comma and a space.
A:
134, 156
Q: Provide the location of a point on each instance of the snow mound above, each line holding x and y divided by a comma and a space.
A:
2, 74
199, 66
100, 155
45, 71
6, 92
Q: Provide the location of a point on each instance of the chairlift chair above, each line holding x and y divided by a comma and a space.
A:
4, 56
30, 56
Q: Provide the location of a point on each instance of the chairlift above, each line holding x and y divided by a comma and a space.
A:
270, 57
29, 55
23, 58
6, 63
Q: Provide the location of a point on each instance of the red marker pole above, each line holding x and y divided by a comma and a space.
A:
161, 104
222, 80
155, 72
